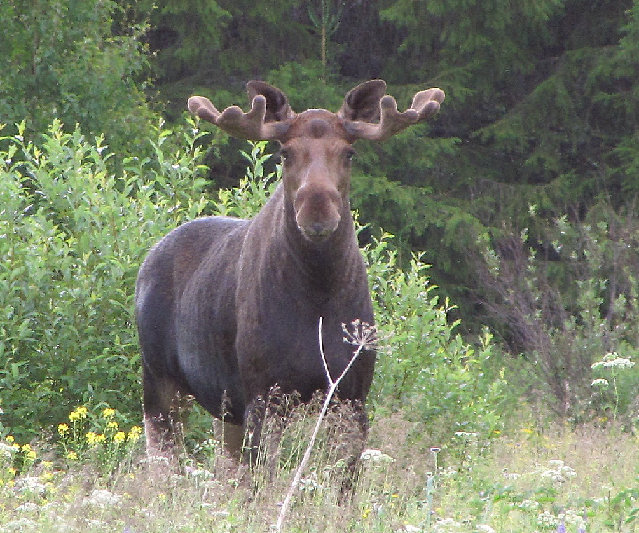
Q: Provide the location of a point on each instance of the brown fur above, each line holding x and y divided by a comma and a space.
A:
228, 309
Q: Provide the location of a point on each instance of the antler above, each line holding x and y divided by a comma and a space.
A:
268, 118
271, 115
425, 105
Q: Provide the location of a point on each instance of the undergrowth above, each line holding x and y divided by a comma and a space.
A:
523, 481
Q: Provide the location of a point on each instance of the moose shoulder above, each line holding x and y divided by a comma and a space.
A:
227, 309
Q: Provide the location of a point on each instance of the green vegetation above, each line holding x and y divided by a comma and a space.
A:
468, 429
525, 481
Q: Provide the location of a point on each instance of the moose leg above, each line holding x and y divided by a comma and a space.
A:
348, 434
253, 422
231, 435
162, 422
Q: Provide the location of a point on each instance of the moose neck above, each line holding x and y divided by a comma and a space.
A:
322, 265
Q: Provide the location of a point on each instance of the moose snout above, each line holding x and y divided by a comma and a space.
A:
317, 212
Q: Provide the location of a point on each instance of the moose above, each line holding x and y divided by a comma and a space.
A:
228, 308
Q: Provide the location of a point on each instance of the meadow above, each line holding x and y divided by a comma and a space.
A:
522, 480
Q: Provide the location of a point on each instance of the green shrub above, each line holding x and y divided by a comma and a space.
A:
73, 237
565, 301
424, 367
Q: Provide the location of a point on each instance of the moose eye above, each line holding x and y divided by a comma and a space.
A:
349, 155
284, 155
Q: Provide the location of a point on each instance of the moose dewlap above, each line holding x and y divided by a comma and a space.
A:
227, 308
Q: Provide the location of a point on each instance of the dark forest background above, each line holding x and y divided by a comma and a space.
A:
521, 194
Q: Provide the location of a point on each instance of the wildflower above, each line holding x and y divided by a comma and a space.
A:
134, 433
29, 453
63, 429
112, 425
30, 485
600, 381
119, 437
612, 360
6, 451
545, 519
80, 413
108, 413
558, 471
72, 456
360, 334
95, 438
376, 456
103, 498
10, 439
529, 504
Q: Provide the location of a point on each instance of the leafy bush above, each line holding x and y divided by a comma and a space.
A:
566, 301
424, 367
72, 66
73, 237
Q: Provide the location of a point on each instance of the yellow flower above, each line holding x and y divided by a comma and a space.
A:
79, 413
95, 438
63, 429
112, 424
28, 452
108, 413
134, 433
72, 456
120, 436
10, 438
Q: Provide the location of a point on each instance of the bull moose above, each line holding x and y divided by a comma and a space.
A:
228, 308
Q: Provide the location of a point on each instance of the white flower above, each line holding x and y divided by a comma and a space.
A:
447, 525
529, 504
376, 456
22, 524
30, 485
612, 360
103, 498
546, 519
28, 507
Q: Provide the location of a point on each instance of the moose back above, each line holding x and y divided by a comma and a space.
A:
227, 308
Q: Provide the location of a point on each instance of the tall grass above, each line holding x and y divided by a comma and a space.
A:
521, 482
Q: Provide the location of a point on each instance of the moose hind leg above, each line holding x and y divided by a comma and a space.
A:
231, 435
162, 423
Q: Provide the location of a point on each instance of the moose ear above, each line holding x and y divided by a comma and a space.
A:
277, 106
362, 102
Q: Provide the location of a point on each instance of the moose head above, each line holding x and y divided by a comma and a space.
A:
316, 145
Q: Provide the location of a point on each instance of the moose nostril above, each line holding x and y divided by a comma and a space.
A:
317, 229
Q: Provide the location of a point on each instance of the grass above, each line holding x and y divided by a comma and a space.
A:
582, 479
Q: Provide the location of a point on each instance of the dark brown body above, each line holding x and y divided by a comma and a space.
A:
228, 308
